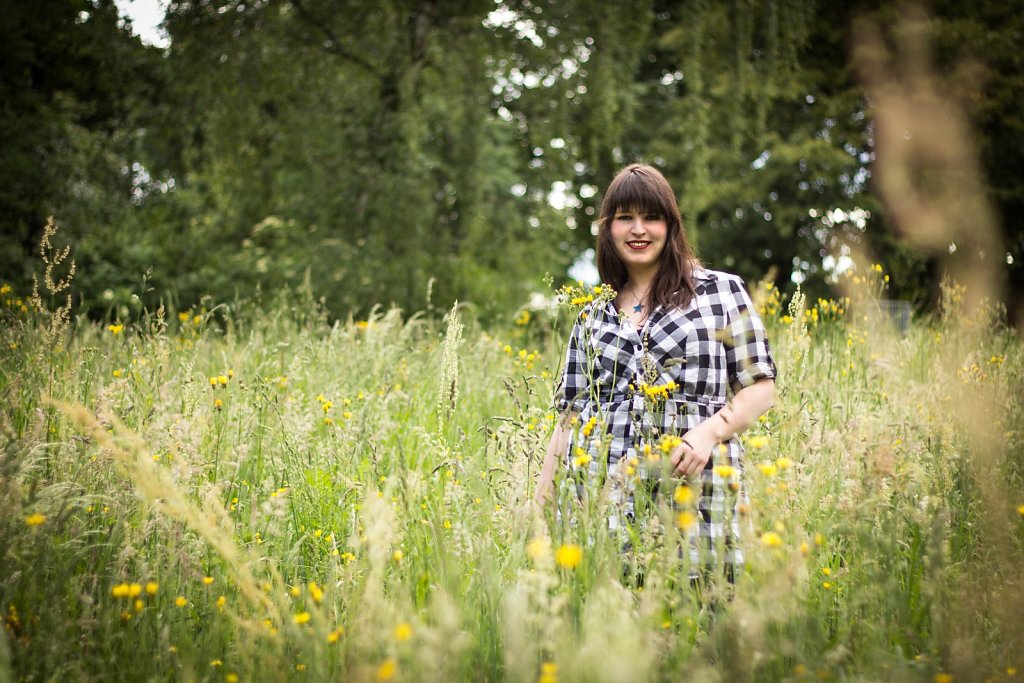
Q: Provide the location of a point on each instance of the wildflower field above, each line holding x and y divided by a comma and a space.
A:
250, 494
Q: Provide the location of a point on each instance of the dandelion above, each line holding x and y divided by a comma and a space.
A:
758, 441
568, 556
768, 469
218, 404
403, 632
548, 673
207, 580
943, 678
827, 571
335, 635
181, 601
221, 601
396, 556
120, 590
116, 329
686, 520
770, 539
805, 548
683, 495
538, 547
783, 463
582, 458
231, 678
826, 585
152, 587
301, 618
386, 671
315, 592
725, 471
37, 519
215, 663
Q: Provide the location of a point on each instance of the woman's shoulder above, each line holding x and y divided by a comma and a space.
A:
717, 279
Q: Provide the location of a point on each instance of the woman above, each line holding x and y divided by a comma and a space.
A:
678, 352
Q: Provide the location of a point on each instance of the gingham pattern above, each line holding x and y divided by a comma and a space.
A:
710, 349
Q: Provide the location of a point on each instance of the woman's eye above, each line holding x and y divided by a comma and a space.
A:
652, 217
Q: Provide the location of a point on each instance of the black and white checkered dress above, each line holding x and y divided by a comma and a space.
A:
711, 349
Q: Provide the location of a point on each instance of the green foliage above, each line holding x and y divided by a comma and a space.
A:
381, 150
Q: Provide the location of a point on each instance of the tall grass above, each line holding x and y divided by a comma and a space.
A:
262, 495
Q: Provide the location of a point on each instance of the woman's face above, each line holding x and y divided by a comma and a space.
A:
639, 239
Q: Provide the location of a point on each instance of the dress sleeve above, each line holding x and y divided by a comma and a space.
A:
573, 388
748, 356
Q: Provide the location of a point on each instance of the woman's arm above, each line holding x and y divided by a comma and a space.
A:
557, 447
742, 411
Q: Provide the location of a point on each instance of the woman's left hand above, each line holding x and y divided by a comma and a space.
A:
692, 455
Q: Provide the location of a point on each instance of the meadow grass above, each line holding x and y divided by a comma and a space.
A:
260, 494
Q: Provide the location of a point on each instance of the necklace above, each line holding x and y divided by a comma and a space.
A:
639, 306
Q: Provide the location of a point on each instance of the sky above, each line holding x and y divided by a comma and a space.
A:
145, 16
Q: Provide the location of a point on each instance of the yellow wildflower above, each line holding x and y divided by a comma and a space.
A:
538, 547
116, 329
686, 520
120, 590
315, 592
181, 601
386, 671
683, 495
783, 463
231, 678
35, 519
207, 580
943, 678
335, 635
301, 618
758, 441
221, 601
152, 587
725, 471
568, 556
768, 469
771, 539
403, 632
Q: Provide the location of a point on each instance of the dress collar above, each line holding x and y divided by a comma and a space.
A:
701, 273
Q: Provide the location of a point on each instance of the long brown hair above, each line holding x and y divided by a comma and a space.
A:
643, 188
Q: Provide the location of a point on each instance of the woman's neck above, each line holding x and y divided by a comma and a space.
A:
639, 283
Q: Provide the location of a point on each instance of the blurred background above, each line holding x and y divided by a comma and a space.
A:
407, 152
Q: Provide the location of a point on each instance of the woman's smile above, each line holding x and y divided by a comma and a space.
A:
639, 238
